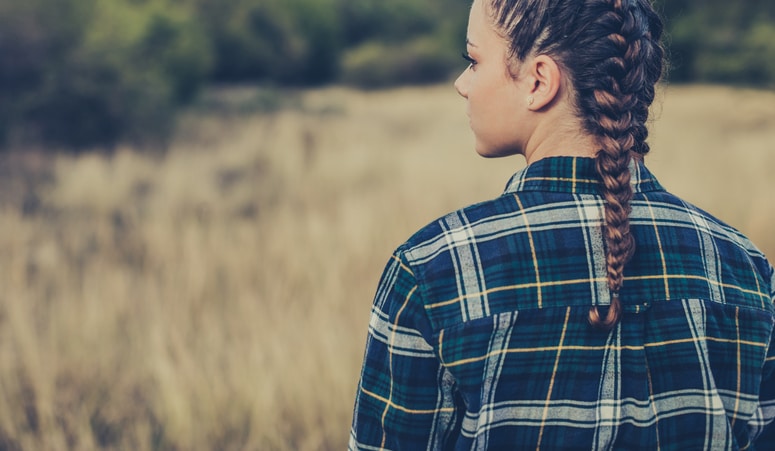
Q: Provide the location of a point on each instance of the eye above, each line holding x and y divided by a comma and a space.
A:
467, 57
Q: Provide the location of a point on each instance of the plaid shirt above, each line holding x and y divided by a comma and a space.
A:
479, 336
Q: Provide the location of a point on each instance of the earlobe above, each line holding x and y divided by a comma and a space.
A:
547, 79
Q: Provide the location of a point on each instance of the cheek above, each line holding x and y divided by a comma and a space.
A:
480, 99
496, 120
488, 107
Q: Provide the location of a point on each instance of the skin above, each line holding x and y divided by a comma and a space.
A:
517, 107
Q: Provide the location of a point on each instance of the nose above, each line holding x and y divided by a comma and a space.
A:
461, 84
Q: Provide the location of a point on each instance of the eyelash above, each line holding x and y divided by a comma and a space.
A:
468, 58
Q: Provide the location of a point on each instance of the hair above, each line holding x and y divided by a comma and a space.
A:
610, 50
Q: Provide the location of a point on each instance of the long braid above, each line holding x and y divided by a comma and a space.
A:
616, 113
612, 53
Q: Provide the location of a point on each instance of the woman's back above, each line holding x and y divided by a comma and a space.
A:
493, 300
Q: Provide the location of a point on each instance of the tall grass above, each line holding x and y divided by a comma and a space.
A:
217, 297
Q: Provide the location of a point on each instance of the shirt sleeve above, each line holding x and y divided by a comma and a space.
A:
763, 423
406, 398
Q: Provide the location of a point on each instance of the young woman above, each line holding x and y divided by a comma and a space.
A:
585, 308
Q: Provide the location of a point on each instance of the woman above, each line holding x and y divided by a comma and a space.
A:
585, 308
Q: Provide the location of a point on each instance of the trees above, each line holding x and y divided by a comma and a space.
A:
721, 41
83, 73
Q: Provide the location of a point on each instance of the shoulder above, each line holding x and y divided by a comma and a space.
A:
693, 239
472, 242
691, 216
459, 227
664, 208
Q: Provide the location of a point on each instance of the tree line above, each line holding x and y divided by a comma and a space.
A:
87, 73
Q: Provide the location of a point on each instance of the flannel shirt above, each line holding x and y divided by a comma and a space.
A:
479, 335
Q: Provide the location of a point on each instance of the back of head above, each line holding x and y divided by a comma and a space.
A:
610, 51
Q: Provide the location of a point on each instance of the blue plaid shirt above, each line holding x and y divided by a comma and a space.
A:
479, 336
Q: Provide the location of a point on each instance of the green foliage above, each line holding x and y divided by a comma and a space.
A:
85, 73
288, 41
721, 41
377, 64
402, 42
174, 44
391, 21
32, 41
96, 72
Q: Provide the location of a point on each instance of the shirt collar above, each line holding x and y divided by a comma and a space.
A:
575, 175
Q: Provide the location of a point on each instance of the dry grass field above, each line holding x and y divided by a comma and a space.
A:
217, 297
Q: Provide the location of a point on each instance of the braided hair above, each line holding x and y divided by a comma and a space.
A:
610, 51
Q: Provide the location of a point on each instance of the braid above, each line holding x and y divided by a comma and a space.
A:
611, 51
616, 112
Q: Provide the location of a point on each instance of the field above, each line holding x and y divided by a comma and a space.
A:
217, 296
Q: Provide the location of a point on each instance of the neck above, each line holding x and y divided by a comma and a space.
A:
561, 144
558, 132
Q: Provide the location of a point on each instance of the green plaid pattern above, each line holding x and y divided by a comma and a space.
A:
479, 337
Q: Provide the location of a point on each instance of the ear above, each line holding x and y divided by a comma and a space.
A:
545, 79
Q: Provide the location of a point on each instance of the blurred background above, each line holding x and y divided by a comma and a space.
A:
197, 198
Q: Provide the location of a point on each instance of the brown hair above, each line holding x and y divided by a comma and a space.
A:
611, 52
